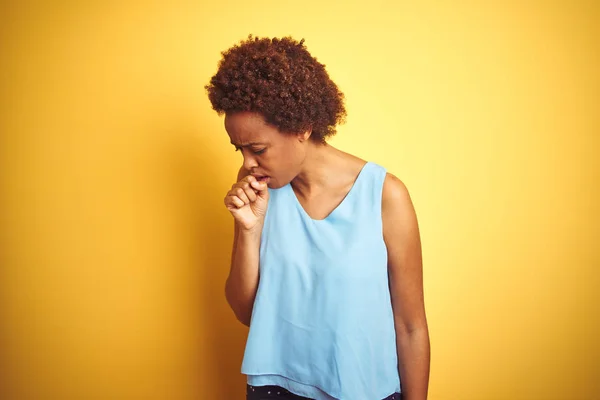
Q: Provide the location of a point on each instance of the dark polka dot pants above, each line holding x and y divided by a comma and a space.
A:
279, 393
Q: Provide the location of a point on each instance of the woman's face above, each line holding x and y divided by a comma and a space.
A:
269, 155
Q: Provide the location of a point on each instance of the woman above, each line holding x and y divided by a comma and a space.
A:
326, 262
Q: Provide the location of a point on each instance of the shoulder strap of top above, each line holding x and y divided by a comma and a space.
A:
370, 189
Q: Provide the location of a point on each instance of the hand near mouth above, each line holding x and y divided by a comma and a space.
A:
247, 201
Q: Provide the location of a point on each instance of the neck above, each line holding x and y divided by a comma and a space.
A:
319, 166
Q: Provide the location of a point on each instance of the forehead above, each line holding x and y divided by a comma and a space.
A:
247, 127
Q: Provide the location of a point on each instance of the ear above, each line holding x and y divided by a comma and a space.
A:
304, 136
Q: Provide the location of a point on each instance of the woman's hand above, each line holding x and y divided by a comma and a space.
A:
247, 201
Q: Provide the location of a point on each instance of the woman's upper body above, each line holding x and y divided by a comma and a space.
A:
280, 106
322, 324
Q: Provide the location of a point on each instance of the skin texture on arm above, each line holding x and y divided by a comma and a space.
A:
242, 282
402, 238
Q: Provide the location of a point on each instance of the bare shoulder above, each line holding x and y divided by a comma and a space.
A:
397, 208
395, 193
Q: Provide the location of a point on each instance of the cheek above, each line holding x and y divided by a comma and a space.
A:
292, 156
282, 163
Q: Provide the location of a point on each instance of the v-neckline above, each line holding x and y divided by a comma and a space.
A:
303, 211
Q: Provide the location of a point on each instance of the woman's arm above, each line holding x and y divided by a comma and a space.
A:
402, 238
242, 282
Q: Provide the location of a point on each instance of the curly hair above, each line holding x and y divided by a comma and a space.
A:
282, 81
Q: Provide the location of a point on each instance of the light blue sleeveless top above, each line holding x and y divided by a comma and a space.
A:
322, 324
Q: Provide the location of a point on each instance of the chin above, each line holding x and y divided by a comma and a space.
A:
274, 185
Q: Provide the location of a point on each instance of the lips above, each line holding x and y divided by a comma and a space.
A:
261, 178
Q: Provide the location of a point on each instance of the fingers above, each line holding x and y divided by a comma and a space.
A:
243, 192
233, 202
260, 186
237, 197
256, 185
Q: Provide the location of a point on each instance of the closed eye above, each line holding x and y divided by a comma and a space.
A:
257, 152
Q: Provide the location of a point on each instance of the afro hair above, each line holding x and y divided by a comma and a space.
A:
282, 81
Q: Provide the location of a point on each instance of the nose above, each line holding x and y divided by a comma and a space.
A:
249, 162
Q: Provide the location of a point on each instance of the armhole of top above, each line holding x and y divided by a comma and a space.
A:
380, 175
381, 183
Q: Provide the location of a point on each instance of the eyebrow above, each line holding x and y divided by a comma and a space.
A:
248, 144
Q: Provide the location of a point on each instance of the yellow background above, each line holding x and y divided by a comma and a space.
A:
115, 243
